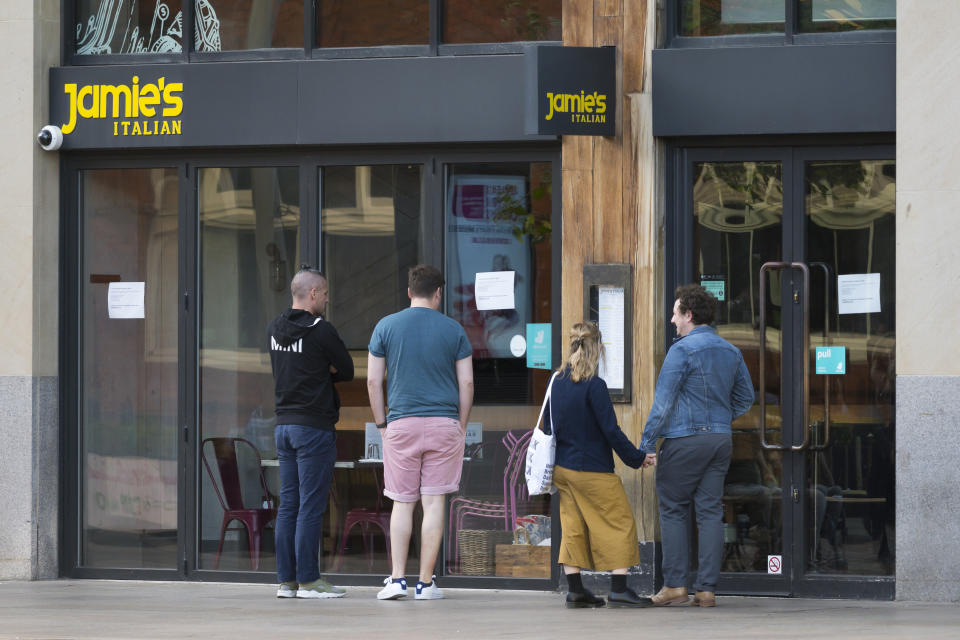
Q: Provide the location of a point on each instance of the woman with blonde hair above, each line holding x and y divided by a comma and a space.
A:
598, 527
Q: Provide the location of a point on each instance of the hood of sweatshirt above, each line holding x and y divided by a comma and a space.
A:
293, 324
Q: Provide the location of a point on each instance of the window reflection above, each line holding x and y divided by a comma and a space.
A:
730, 17
372, 232
371, 23
228, 25
129, 366
467, 21
846, 15
851, 228
249, 244
739, 211
128, 26
498, 219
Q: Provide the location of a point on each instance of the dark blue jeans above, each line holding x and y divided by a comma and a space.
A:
306, 457
692, 469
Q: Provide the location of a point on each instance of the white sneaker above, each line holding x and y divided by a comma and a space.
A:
287, 590
393, 590
429, 592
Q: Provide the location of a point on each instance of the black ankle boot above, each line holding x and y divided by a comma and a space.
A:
583, 600
627, 598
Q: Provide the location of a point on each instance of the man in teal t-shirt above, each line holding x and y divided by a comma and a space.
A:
430, 394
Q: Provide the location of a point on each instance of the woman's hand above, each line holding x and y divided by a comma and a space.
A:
649, 461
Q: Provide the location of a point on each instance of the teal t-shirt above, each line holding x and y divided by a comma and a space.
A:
421, 347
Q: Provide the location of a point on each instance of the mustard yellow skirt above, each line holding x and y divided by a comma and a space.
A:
599, 532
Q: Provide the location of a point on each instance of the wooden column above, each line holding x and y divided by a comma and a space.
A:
612, 213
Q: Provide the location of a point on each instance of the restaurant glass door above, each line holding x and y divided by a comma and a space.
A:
797, 244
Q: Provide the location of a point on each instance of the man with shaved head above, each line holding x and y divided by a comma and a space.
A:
308, 357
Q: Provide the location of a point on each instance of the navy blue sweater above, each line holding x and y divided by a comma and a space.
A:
586, 426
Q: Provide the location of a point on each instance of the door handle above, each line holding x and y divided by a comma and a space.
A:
827, 278
805, 270
767, 266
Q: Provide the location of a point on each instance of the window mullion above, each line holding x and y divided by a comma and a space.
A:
790, 21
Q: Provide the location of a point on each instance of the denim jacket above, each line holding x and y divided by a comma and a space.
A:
703, 386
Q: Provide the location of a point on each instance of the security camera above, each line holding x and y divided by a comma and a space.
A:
50, 138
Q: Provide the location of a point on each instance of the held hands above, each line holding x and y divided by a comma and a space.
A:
649, 461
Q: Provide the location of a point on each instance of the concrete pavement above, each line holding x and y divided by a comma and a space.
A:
105, 609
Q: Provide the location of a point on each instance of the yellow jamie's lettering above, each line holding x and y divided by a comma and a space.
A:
601, 99
71, 91
589, 102
146, 102
549, 116
92, 111
149, 98
115, 93
135, 90
175, 103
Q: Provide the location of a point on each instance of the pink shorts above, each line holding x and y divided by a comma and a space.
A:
422, 456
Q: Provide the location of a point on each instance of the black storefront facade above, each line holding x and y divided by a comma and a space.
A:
197, 181
191, 189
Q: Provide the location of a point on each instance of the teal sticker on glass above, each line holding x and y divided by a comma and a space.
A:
831, 360
716, 287
539, 346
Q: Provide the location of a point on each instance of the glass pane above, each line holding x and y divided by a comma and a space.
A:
847, 15
372, 23
128, 26
730, 17
467, 21
498, 218
229, 25
129, 365
850, 220
249, 222
372, 233
738, 208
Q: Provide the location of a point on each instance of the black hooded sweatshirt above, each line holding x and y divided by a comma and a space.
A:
302, 348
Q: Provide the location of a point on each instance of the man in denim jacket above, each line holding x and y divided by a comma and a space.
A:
703, 386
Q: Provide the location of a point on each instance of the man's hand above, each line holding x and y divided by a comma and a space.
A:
333, 370
650, 460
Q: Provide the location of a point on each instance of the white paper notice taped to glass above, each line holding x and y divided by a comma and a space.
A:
494, 290
610, 321
858, 293
125, 300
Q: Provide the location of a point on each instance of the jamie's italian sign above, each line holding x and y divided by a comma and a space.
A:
571, 90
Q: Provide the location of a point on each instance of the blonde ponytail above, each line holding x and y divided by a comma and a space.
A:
586, 349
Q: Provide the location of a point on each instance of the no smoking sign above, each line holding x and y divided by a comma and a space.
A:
775, 565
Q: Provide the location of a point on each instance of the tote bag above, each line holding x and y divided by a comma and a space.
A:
541, 453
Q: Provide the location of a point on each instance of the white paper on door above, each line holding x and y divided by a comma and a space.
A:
858, 293
125, 300
494, 290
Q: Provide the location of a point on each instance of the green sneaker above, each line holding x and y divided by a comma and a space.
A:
320, 588
287, 590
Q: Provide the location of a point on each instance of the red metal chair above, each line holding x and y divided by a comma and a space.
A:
367, 519
231, 497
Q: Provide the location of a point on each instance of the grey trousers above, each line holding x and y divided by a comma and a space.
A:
692, 469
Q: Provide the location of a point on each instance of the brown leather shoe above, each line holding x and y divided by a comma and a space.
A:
704, 599
670, 595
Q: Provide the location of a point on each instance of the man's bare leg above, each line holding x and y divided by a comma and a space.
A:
401, 525
431, 535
